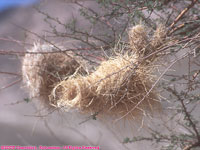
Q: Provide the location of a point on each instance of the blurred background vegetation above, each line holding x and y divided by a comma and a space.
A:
106, 26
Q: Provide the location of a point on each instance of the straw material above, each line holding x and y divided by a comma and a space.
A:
159, 36
138, 40
41, 71
115, 88
144, 46
120, 86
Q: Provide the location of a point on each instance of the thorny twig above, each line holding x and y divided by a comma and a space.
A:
182, 13
188, 115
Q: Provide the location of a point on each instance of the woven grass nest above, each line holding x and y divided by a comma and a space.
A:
119, 87
43, 68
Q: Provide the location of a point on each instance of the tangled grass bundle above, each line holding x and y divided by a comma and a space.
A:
120, 86
143, 45
115, 88
159, 36
138, 40
42, 69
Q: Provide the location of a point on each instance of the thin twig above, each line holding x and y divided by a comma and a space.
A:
11, 84
182, 13
186, 112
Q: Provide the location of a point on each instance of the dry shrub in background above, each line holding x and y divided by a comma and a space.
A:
120, 87
181, 19
42, 69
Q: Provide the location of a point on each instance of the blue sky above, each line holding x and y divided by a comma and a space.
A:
5, 4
